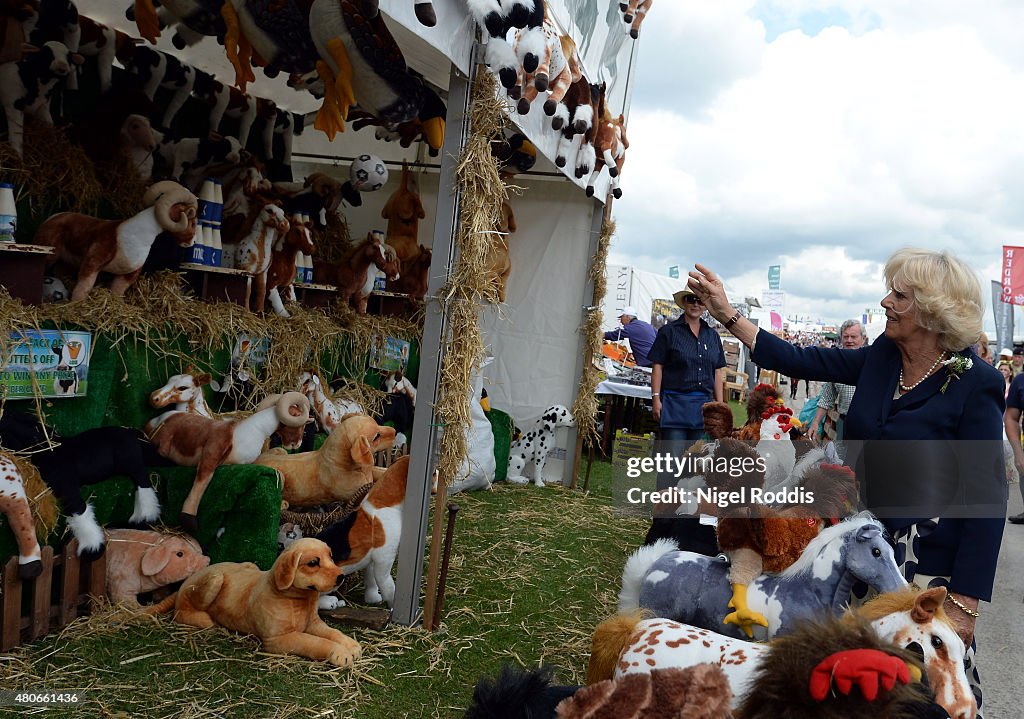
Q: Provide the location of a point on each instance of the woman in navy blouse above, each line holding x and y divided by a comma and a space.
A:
919, 381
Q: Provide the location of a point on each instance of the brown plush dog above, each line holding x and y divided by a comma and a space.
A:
338, 470
499, 266
279, 606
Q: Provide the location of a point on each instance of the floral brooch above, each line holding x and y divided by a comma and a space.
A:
955, 368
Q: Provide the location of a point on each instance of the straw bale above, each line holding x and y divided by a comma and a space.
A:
584, 409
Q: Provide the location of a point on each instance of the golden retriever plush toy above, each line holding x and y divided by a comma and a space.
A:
278, 606
338, 470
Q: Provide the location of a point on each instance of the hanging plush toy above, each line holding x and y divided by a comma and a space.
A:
496, 18
403, 211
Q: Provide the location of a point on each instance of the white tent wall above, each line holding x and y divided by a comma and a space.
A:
534, 337
628, 286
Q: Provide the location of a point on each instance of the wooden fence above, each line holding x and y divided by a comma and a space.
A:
32, 608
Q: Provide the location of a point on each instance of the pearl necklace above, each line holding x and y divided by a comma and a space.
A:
905, 389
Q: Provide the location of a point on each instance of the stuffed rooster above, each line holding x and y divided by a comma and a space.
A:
759, 538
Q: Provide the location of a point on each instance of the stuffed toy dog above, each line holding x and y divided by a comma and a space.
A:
278, 606
534, 445
338, 470
140, 561
368, 538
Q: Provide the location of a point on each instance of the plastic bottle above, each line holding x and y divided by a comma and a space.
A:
8, 213
207, 201
216, 247
218, 200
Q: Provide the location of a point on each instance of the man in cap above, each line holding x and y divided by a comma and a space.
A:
834, 394
1005, 355
1018, 359
639, 333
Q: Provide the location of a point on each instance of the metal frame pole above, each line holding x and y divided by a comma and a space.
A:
435, 328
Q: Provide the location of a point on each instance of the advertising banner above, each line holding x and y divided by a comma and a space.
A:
54, 361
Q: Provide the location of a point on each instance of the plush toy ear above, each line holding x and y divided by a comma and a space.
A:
202, 379
284, 569
419, 209
362, 452
155, 559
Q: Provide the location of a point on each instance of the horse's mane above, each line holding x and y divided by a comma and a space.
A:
825, 537
894, 602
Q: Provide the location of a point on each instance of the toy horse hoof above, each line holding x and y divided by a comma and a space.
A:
508, 78
556, 123
523, 106
188, 523
372, 7
590, 191
616, 193
540, 81
495, 25
130, 13
623, 7
515, 92
271, 72
178, 42
580, 126
31, 570
549, 109
91, 555
613, 172
530, 63
627, 19
520, 18
634, 34
559, 161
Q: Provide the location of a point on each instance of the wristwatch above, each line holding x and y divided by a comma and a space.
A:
655, 394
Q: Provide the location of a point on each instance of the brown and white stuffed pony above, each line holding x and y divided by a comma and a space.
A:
610, 145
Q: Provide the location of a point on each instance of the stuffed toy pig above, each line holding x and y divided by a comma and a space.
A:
140, 561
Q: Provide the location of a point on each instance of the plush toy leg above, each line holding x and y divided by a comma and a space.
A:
147, 506
371, 592
516, 463
743, 617
146, 20
329, 120
275, 301
88, 533
343, 74
19, 517
313, 647
540, 459
383, 560
237, 47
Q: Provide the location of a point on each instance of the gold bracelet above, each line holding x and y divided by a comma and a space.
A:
961, 606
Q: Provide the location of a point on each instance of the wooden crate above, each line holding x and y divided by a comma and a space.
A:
32, 608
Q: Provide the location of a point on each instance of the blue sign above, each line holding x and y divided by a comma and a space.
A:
673, 272
774, 277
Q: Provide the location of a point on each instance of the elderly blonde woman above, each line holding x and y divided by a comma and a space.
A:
919, 381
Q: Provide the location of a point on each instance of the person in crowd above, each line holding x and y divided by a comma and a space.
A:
639, 333
1018, 359
834, 394
687, 361
1006, 369
983, 349
687, 372
1012, 420
920, 380
1006, 357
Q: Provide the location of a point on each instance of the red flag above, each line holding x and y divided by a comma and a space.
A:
777, 318
1013, 275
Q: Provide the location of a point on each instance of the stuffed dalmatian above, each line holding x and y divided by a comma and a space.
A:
534, 445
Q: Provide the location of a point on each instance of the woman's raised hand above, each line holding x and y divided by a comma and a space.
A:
708, 286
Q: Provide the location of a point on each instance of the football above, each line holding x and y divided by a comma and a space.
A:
54, 290
368, 173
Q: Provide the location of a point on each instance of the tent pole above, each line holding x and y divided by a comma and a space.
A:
600, 216
423, 449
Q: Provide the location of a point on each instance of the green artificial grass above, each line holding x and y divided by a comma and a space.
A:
532, 573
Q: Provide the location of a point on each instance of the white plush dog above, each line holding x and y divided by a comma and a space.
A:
534, 445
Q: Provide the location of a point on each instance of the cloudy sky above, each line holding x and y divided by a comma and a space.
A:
822, 136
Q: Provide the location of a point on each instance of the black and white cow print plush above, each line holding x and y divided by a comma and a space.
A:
534, 445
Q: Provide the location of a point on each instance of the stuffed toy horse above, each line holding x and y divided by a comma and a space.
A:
496, 18
610, 145
20, 488
338, 470
355, 281
278, 606
140, 561
834, 667
368, 538
94, 456
633, 14
699, 692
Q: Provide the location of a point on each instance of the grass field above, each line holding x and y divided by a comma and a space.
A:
532, 572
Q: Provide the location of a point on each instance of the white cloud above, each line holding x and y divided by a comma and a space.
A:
826, 153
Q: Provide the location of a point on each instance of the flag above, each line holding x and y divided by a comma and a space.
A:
776, 322
1003, 314
1013, 275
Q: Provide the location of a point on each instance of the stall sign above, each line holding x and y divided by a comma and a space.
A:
389, 354
55, 361
251, 351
